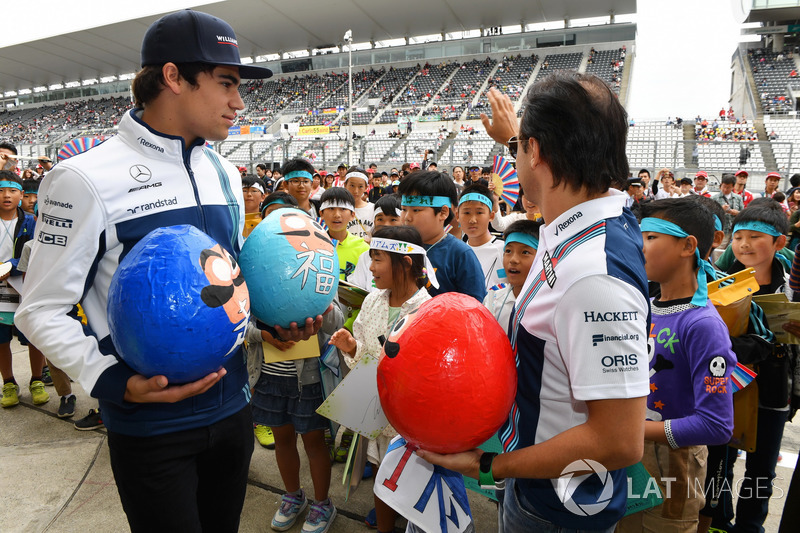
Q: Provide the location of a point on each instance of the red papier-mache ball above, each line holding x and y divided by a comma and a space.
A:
447, 376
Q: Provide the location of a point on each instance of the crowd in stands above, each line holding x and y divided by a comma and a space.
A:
608, 65
511, 76
391, 83
726, 128
43, 124
773, 72
447, 90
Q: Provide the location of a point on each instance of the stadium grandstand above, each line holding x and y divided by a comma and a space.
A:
413, 93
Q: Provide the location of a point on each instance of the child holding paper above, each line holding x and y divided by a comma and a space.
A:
759, 234
285, 399
400, 280
18, 229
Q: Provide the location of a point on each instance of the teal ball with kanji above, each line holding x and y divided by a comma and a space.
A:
291, 268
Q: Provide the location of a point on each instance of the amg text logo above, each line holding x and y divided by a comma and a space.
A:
148, 186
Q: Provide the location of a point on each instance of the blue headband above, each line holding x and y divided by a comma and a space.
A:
276, 201
717, 223
752, 225
523, 238
5, 184
298, 174
658, 225
426, 201
476, 197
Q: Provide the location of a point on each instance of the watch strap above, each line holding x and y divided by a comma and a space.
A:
485, 477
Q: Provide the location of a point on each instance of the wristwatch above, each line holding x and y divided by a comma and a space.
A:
485, 478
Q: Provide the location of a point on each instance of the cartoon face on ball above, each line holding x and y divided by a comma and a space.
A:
291, 268
391, 348
302, 232
227, 288
452, 354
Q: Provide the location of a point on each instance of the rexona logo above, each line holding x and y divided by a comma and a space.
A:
568, 483
147, 144
564, 225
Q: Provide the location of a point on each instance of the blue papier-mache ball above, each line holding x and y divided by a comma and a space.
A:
291, 268
178, 305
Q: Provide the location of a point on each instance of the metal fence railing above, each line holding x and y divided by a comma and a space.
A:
684, 157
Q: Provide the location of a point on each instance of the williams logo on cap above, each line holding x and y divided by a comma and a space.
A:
195, 37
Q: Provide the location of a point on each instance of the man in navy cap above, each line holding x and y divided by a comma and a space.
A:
180, 453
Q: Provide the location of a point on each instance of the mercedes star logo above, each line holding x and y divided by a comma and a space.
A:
140, 173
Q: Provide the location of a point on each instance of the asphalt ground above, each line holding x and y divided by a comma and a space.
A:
57, 479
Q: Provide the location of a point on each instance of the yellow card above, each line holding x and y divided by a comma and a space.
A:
742, 284
301, 350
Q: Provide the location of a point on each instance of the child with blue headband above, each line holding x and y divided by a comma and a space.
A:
30, 196
690, 404
751, 347
17, 229
400, 281
277, 200
474, 215
759, 233
298, 175
521, 243
428, 203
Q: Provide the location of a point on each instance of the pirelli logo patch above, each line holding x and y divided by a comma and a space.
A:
58, 222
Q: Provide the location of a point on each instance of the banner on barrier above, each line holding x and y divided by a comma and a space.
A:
313, 130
